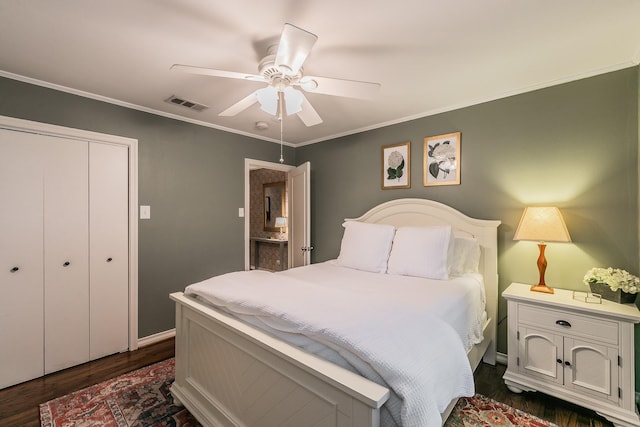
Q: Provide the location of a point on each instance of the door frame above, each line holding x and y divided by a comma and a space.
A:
249, 165
21, 125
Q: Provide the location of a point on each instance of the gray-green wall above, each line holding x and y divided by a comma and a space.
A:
191, 176
574, 145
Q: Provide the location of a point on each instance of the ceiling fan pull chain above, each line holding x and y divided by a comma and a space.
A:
281, 118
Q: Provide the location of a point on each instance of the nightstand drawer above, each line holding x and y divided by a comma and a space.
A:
579, 325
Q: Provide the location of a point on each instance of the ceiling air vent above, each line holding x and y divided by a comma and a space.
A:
189, 104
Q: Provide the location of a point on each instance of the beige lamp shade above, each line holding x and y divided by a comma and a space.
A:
542, 224
280, 222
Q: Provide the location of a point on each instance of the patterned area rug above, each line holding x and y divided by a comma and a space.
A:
481, 411
142, 398
139, 398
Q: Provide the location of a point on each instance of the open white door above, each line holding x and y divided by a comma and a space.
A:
299, 183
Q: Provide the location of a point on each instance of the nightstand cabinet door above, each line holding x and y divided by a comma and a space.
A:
591, 369
540, 354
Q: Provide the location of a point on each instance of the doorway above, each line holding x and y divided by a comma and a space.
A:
268, 234
265, 246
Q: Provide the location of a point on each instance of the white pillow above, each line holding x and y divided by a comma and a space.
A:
464, 256
366, 246
421, 252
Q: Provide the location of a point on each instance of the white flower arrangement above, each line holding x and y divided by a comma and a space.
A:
615, 278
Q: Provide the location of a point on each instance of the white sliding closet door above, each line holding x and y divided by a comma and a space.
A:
21, 257
109, 250
66, 259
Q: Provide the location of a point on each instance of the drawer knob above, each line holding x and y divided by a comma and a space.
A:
14, 269
563, 323
66, 264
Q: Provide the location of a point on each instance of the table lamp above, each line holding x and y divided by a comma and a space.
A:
281, 222
542, 224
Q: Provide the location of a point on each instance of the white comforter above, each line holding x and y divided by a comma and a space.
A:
417, 355
459, 301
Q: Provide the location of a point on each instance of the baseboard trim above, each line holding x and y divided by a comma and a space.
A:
160, 336
501, 358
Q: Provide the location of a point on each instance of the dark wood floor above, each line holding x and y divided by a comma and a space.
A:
489, 383
19, 404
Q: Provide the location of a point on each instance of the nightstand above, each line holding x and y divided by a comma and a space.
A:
574, 350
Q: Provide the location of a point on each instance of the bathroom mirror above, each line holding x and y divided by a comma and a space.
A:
274, 204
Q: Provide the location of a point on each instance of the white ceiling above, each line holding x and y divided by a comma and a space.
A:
430, 56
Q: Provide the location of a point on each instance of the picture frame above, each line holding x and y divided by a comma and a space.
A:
396, 166
441, 159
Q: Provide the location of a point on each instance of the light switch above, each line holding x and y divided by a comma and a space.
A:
145, 212
241, 212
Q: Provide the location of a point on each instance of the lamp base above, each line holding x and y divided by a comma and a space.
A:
542, 288
542, 267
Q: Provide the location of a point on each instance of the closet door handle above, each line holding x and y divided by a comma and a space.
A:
567, 363
559, 361
14, 269
109, 259
66, 264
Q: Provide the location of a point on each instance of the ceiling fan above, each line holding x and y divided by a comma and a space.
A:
282, 70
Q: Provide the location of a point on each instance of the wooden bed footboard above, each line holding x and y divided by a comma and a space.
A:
229, 374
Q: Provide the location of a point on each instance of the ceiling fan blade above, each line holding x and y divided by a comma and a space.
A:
295, 45
340, 87
216, 73
241, 105
308, 114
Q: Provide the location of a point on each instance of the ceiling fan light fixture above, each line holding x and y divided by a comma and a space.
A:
292, 100
268, 99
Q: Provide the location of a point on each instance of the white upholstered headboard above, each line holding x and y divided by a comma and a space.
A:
422, 212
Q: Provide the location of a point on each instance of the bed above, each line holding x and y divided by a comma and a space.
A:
230, 372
